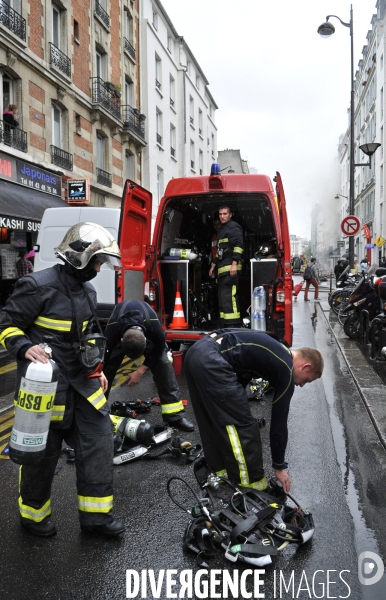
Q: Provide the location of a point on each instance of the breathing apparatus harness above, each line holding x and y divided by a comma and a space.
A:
250, 525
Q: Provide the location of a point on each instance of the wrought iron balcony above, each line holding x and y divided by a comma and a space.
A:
102, 94
102, 14
159, 139
104, 178
60, 60
12, 136
133, 120
12, 20
61, 158
129, 48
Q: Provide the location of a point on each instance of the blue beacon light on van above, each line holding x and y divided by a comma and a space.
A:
215, 169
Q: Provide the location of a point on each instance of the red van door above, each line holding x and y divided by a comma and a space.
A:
285, 241
134, 241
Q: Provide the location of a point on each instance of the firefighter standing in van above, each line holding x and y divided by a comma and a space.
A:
57, 302
217, 369
134, 330
227, 264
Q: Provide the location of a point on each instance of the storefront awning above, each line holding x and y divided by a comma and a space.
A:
24, 202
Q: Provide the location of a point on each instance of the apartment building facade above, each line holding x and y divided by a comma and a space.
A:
181, 132
369, 123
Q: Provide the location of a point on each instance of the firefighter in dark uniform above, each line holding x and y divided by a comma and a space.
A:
217, 369
134, 330
60, 303
227, 266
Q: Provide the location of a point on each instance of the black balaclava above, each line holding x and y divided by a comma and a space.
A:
82, 275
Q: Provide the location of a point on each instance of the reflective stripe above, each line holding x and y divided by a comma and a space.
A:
238, 453
93, 504
85, 323
222, 473
234, 302
223, 240
97, 399
168, 409
58, 412
261, 485
227, 268
229, 316
9, 332
34, 514
221, 315
238, 250
55, 324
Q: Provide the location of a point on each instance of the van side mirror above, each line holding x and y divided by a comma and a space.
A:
36, 248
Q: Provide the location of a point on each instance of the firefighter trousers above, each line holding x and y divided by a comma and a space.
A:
91, 436
163, 377
228, 300
230, 435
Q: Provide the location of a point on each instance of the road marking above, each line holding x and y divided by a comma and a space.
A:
8, 368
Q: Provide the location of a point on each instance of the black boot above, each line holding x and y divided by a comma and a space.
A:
45, 528
112, 529
182, 424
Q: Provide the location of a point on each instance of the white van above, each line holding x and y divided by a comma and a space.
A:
55, 223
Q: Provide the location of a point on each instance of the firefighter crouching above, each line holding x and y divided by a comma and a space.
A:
60, 303
227, 264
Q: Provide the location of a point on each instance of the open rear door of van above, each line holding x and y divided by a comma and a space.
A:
134, 241
286, 247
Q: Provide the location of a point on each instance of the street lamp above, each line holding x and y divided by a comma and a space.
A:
337, 196
326, 30
230, 169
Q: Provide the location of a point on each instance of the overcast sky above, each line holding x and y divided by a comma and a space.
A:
282, 90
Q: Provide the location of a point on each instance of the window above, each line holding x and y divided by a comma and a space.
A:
213, 148
158, 126
76, 31
155, 20
172, 90
172, 140
101, 152
170, 44
100, 64
160, 184
128, 26
129, 165
192, 155
129, 93
57, 129
191, 110
158, 72
197, 82
201, 161
200, 125
56, 37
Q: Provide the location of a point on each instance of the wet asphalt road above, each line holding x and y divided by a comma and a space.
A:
337, 466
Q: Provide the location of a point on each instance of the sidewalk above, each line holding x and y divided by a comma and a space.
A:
369, 384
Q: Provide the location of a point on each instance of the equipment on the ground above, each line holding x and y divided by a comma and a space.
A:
249, 525
256, 389
33, 408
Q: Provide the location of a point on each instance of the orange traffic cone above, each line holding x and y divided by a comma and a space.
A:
178, 321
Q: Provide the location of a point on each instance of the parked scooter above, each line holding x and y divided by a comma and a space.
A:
363, 297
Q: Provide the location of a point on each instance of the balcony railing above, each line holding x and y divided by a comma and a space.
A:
159, 139
103, 95
61, 158
133, 120
104, 178
12, 136
129, 48
60, 60
12, 20
101, 13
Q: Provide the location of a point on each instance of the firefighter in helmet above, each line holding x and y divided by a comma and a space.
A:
59, 302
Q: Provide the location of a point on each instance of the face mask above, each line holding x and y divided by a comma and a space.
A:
81, 275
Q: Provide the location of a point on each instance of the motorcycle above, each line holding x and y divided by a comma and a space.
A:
363, 297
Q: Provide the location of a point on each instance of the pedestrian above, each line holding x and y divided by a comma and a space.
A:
10, 122
217, 369
23, 265
357, 267
364, 265
227, 265
313, 280
338, 269
382, 262
60, 302
134, 330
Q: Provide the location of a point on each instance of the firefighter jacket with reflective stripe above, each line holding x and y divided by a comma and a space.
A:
41, 306
137, 314
230, 247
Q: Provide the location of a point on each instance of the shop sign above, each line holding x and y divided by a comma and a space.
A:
19, 224
78, 191
28, 175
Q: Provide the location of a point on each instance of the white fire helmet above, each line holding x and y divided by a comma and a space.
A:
83, 241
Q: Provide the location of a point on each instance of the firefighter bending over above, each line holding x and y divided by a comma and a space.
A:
217, 369
60, 303
227, 265
134, 330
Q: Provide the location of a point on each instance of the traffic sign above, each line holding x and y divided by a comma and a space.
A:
350, 225
340, 244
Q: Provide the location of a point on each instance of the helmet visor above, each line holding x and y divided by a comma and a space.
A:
113, 262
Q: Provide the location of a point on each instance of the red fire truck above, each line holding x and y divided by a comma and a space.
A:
179, 256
